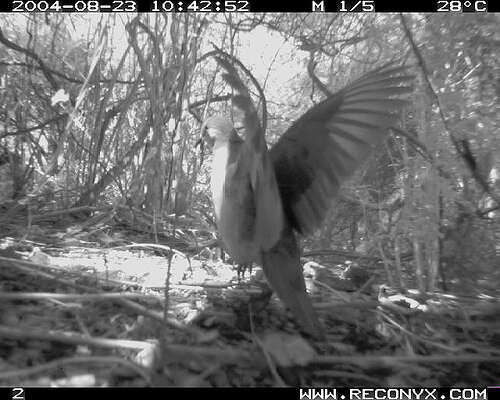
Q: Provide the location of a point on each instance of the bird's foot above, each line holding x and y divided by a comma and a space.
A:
242, 268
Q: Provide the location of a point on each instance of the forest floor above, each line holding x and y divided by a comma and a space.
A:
98, 310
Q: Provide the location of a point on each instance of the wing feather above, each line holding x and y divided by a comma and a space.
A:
330, 141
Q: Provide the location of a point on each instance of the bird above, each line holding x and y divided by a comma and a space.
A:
265, 198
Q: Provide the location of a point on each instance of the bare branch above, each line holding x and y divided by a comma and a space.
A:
46, 72
34, 128
61, 74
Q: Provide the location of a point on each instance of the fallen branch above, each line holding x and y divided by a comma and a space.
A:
57, 365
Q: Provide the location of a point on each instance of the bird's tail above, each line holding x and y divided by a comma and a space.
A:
282, 268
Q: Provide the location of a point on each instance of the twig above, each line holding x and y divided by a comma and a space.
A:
36, 269
72, 339
62, 75
34, 128
71, 296
311, 65
348, 375
31, 268
154, 246
416, 337
58, 364
226, 354
336, 293
369, 362
46, 72
269, 361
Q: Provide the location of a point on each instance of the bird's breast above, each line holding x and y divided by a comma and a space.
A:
234, 206
219, 170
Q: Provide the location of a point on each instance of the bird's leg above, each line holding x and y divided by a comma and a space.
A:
240, 271
242, 268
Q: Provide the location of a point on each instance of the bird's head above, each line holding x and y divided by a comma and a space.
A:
216, 129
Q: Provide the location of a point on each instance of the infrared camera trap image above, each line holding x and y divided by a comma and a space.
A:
243, 199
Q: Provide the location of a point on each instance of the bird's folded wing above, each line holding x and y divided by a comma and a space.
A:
326, 145
255, 160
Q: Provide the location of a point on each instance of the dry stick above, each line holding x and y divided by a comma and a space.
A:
373, 304
187, 285
81, 324
231, 355
235, 356
72, 339
62, 362
365, 285
270, 363
337, 293
166, 301
20, 132
35, 269
181, 285
416, 337
73, 296
369, 362
62, 75
152, 314
32, 268
154, 246
362, 304
226, 354
31, 54
159, 317
339, 253
311, 65
348, 375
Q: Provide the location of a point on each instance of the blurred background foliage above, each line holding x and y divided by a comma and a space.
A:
101, 112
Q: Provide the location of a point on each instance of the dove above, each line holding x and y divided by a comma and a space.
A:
264, 198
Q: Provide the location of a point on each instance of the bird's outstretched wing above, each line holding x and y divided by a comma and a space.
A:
330, 141
255, 160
